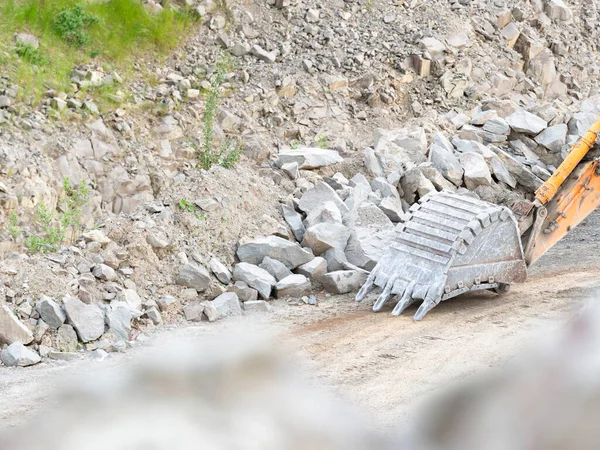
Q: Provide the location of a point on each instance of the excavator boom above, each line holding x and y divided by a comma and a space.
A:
451, 244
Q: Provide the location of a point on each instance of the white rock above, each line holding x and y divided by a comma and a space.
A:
295, 285
255, 277
323, 236
328, 212
522, 121
344, 281
318, 195
553, 138
476, 170
88, 320
11, 329
16, 354
287, 252
227, 304
309, 157
220, 271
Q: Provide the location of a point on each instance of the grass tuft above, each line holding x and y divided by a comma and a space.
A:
71, 32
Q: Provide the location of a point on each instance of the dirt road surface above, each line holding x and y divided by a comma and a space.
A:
386, 365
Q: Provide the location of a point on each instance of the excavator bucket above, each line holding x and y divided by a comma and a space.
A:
450, 244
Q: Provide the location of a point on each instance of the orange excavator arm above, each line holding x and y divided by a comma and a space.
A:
570, 195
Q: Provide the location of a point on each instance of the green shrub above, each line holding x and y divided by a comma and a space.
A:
227, 154
30, 54
53, 228
72, 25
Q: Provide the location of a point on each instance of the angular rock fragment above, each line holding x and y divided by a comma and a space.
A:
275, 268
227, 304
51, 312
553, 138
255, 277
294, 220
88, 320
476, 170
11, 329
220, 271
328, 212
16, 354
313, 269
524, 122
320, 194
193, 275
344, 281
295, 285
289, 253
448, 164
309, 158
323, 236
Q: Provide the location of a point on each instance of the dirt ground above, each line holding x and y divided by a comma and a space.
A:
386, 365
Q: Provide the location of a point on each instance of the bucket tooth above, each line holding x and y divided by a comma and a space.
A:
448, 244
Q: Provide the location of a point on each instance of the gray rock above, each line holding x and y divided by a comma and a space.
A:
257, 305
497, 125
11, 328
289, 253
210, 312
241, 49
522, 174
323, 236
553, 138
220, 271
375, 163
501, 172
50, 312
66, 339
344, 281
118, 320
293, 286
309, 158
275, 268
436, 177
88, 320
448, 164
40, 331
320, 194
255, 277
16, 354
415, 184
291, 170
157, 240
227, 304
262, 54
27, 39
367, 245
193, 311
557, 9
154, 315
522, 121
476, 170
581, 122
367, 215
104, 272
193, 275
358, 196
313, 269
165, 301
244, 292
294, 220
392, 208
130, 298
336, 259
328, 212
387, 190
467, 146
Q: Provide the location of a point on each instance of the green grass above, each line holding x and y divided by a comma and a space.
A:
71, 32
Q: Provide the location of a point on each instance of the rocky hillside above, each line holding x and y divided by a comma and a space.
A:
117, 217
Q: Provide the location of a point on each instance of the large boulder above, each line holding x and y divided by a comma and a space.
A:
50, 312
367, 245
88, 320
328, 212
295, 285
294, 220
553, 138
314, 269
11, 329
227, 304
195, 276
318, 195
401, 147
323, 236
289, 253
275, 268
522, 174
344, 281
524, 122
476, 170
255, 277
309, 157
448, 164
